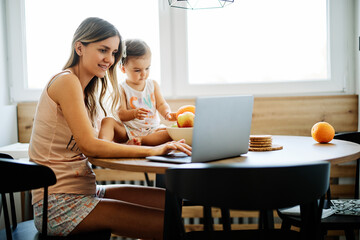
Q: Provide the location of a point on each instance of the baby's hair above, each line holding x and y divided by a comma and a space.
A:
134, 48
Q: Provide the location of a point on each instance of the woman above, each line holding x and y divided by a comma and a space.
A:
64, 135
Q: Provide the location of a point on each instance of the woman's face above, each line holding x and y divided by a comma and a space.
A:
98, 57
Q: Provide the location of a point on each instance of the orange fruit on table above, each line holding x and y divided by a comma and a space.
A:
322, 132
185, 108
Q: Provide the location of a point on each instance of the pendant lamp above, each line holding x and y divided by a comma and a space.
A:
199, 4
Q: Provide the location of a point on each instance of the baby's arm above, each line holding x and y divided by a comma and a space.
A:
130, 114
162, 106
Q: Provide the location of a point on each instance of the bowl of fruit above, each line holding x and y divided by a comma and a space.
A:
177, 133
183, 128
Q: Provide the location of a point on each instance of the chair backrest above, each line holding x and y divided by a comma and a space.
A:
21, 176
348, 136
17, 176
347, 190
5, 155
245, 187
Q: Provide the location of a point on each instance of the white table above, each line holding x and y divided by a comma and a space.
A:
16, 150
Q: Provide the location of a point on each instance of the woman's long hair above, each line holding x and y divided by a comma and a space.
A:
94, 30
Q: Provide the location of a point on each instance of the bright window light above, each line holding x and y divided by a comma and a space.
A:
50, 26
258, 41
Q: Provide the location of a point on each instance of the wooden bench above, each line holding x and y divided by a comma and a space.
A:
271, 115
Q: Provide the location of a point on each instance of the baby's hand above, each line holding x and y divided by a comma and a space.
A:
170, 116
141, 113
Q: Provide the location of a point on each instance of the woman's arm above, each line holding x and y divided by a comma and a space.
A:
161, 105
67, 92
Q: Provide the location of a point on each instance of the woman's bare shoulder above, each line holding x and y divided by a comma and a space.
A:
65, 86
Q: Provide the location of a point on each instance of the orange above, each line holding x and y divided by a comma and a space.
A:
185, 108
322, 132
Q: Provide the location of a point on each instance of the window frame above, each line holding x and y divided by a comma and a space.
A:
341, 62
174, 72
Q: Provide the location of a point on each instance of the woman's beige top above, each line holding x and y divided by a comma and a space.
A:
52, 144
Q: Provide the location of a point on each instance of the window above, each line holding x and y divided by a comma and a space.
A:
50, 25
262, 47
259, 47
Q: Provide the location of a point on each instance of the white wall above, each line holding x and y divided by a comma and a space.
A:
357, 54
8, 120
4, 92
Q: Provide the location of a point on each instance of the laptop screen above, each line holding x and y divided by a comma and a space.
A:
221, 129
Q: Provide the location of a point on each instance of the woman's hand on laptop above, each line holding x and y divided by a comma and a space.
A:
173, 145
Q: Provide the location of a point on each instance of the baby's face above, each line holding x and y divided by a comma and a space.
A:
137, 69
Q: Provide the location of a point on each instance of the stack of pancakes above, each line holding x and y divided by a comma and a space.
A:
262, 143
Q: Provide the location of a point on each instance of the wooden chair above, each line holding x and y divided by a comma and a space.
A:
18, 176
335, 222
244, 187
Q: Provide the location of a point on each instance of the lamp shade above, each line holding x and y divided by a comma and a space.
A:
199, 4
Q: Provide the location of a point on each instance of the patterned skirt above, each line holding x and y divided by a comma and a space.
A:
66, 211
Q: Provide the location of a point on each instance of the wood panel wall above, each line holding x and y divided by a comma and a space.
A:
271, 115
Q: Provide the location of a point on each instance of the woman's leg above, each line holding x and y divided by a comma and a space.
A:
146, 196
135, 212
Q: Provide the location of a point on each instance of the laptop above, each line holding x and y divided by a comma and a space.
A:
221, 130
